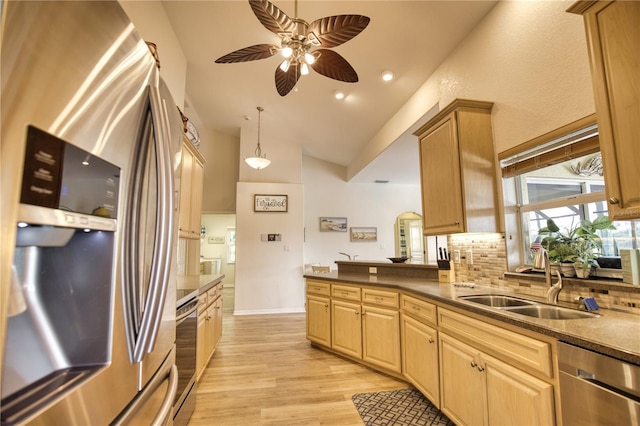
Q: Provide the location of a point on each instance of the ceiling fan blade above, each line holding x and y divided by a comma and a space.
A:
332, 65
334, 30
285, 81
271, 17
251, 53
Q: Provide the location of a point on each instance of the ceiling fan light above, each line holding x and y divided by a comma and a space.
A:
338, 94
287, 52
304, 69
387, 75
309, 58
284, 66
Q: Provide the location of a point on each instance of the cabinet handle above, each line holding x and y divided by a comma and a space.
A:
416, 308
457, 222
326, 305
614, 200
480, 369
344, 293
379, 299
473, 364
364, 313
431, 340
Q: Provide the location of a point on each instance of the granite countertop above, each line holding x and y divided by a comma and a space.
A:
613, 333
191, 286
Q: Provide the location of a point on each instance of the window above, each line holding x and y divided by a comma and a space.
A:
559, 176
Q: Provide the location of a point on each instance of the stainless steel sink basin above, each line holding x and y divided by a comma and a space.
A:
527, 307
551, 312
497, 300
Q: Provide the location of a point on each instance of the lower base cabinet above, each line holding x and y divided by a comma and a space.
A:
478, 389
420, 358
346, 328
319, 320
381, 337
209, 326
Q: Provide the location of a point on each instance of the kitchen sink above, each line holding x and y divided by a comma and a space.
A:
497, 300
551, 312
526, 307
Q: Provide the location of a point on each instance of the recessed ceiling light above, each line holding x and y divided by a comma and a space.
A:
387, 75
338, 94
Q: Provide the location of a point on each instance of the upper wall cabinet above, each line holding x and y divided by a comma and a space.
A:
458, 173
613, 38
191, 184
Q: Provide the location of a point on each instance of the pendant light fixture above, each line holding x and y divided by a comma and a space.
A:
259, 160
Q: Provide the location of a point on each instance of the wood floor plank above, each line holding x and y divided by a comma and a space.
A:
265, 372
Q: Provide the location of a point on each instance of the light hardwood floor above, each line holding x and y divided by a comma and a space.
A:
264, 372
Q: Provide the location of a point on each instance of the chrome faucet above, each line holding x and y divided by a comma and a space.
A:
542, 260
349, 256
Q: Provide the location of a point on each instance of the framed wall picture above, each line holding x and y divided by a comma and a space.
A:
363, 234
270, 203
333, 224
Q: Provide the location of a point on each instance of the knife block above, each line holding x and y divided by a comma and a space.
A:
446, 275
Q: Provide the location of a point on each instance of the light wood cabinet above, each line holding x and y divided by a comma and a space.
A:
210, 315
318, 311
420, 357
613, 38
478, 389
346, 328
458, 173
191, 185
381, 337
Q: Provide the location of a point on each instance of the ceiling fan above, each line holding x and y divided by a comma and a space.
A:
298, 38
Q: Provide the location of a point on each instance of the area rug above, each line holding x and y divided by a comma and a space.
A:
402, 407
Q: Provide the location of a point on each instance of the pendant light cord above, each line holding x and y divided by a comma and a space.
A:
258, 149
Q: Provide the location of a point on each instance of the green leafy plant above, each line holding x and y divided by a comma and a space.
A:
578, 242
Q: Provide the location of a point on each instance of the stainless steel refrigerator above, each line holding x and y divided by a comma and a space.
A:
90, 153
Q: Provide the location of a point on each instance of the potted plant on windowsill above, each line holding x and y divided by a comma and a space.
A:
579, 243
586, 254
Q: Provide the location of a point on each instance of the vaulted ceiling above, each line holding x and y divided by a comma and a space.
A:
409, 38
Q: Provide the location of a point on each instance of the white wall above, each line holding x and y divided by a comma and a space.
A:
269, 274
326, 193
529, 57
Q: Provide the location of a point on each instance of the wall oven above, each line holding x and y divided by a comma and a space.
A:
186, 332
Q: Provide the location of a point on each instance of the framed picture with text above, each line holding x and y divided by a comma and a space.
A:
270, 203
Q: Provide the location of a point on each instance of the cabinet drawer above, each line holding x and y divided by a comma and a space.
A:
319, 288
380, 297
504, 344
419, 309
345, 292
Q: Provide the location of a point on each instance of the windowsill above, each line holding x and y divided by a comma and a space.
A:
595, 283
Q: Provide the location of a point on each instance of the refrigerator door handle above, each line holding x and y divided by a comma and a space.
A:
128, 417
161, 260
164, 414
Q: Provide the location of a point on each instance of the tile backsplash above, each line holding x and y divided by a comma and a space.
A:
488, 265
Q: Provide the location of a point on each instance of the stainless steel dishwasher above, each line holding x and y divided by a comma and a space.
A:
596, 389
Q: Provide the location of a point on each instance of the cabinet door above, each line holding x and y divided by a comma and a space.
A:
197, 177
217, 322
211, 330
201, 356
184, 216
440, 179
319, 320
420, 358
381, 337
613, 33
346, 329
463, 389
515, 397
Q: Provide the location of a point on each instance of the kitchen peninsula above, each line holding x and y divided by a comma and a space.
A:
423, 331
